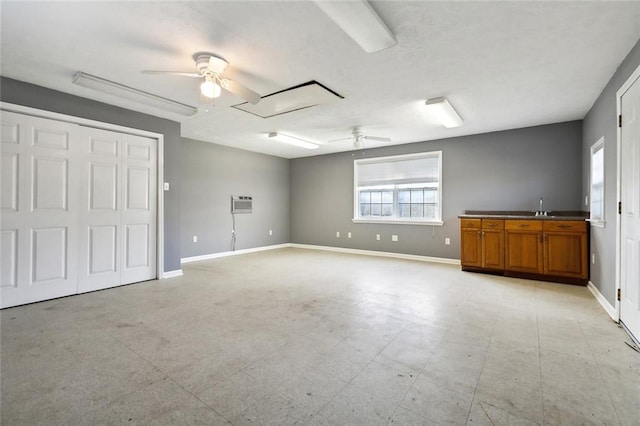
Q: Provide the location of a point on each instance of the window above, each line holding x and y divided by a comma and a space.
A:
597, 183
401, 188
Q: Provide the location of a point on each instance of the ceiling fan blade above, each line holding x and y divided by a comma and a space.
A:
377, 138
180, 73
342, 139
240, 90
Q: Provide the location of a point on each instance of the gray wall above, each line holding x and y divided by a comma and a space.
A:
210, 175
601, 121
508, 170
20, 93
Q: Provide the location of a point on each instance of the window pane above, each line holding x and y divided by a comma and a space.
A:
404, 196
405, 210
430, 196
416, 196
387, 197
430, 211
365, 197
365, 210
387, 210
597, 180
376, 209
416, 210
376, 197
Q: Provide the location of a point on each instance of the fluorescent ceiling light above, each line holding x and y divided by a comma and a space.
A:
126, 92
292, 140
358, 19
444, 112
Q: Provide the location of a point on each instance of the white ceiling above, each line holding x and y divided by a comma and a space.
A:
501, 64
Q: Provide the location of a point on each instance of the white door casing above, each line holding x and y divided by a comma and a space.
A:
629, 225
79, 207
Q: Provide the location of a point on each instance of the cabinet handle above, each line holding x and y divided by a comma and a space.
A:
479, 234
565, 226
491, 225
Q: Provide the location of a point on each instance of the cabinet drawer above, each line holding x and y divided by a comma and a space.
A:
524, 225
492, 224
470, 223
565, 225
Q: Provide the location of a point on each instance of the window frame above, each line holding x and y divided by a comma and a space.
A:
598, 221
396, 219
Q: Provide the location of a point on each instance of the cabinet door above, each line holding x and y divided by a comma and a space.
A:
565, 254
470, 247
493, 249
524, 251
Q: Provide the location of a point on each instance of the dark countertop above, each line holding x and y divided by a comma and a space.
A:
509, 214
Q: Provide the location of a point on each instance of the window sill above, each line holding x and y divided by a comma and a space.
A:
597, 223
400, 222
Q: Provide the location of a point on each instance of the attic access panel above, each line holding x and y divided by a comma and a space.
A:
295, 98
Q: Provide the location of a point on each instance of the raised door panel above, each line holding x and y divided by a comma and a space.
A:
49, 251
9, 261
524, 252
10, 182
103, 186
103, 249
493, 249
50, 183
471, 247
565, 254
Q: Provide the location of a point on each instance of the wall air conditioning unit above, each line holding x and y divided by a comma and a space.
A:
241, 204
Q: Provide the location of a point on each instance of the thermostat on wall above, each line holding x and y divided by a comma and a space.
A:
241, 204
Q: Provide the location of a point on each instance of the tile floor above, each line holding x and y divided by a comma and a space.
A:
297, 336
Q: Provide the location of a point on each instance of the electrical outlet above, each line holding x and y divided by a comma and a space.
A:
348, 234
270, 231
394, 238
377, 237
166, 186
337, 234
195, 238
593, 258
447, 241
586, 200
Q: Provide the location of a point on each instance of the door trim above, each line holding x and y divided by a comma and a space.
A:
635, 75
34, 112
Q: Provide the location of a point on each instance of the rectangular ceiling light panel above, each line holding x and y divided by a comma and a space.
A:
304, 96
360, 22
125, 92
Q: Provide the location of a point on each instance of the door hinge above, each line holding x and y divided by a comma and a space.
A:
620, 120
619, 294
619, 207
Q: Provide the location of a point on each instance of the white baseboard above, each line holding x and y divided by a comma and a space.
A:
231, 253
171, 274
379, 253
613, 313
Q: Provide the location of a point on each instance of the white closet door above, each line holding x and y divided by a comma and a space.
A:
100, 210
630, 215
139, 215
39, 209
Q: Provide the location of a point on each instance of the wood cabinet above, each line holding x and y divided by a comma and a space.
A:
565, 249
523, 245
482, 243
553, 250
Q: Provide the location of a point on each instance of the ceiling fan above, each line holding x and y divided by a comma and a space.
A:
210, 68
358, 137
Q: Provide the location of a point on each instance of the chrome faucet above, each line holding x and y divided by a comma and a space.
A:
541, 212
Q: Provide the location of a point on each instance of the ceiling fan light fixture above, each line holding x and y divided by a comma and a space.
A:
210, 88
292, 140
442, 110
125, 92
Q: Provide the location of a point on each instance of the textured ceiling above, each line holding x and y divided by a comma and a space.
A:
501, 64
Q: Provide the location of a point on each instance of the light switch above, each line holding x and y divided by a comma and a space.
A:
166, 186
